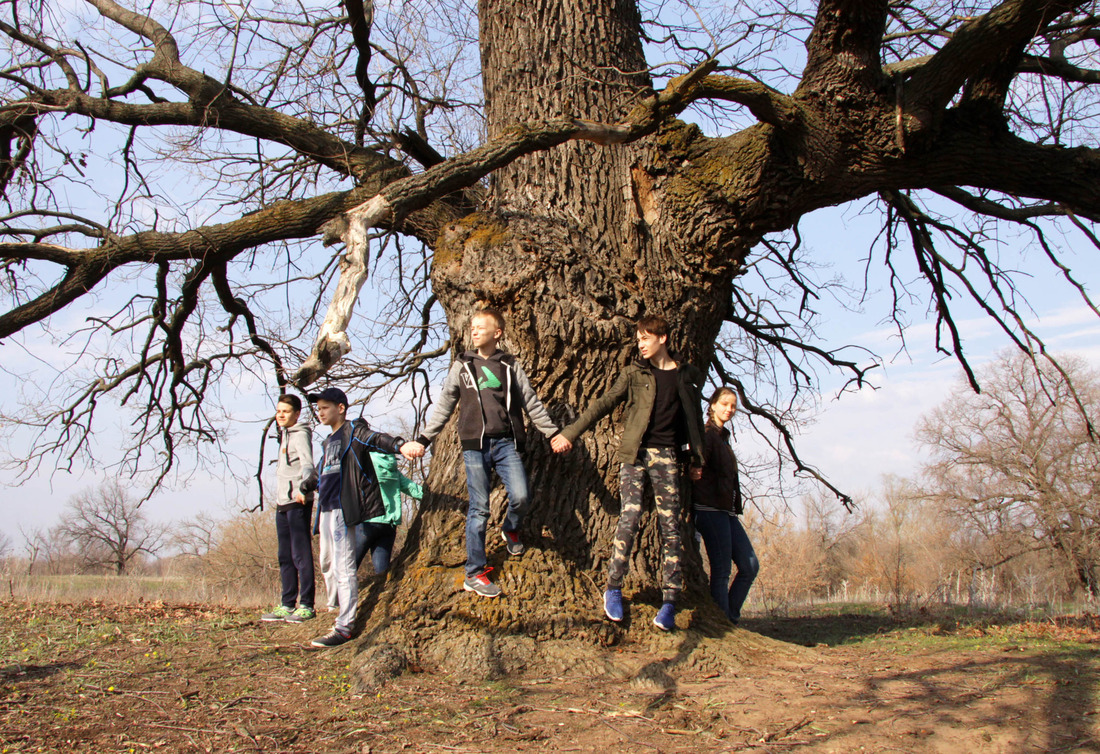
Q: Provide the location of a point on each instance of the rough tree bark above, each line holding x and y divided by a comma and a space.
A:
576, 242
573, 245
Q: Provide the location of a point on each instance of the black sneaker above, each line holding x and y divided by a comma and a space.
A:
334, 638
512, 542
480, 584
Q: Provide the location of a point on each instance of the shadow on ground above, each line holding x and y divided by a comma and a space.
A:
851, 627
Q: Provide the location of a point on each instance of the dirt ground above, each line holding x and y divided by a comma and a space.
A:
109, 678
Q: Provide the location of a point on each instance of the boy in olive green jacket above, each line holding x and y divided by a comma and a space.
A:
663, 423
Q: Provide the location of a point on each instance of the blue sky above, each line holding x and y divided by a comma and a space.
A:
854, 440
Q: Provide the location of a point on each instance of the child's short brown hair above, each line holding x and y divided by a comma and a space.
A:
291, 400
654, 325
493, 312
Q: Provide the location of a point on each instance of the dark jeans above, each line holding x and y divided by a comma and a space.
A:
727, 545
500, 454
295, 555
378, 539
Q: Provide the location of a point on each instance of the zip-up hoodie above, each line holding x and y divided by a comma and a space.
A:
295, 471
637, 386
460, 388
360, 498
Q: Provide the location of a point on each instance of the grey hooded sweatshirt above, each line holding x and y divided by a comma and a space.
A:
295, 472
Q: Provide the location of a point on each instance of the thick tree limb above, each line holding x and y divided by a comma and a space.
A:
997, 37
401, 197
209, 101
1016, 167
845, 44
768, 105
230, 114
87, 268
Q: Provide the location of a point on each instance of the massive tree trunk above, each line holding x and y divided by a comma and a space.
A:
573, 246
577, 242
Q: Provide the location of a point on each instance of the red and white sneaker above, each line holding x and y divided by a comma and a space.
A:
480, 584
512, 542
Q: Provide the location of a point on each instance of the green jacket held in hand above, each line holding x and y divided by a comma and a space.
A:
391, 483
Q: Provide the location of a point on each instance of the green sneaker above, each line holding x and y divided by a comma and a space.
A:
301, 615
278, 615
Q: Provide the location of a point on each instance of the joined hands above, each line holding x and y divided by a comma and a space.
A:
559, 444
412, 450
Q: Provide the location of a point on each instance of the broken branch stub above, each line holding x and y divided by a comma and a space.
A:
332, 340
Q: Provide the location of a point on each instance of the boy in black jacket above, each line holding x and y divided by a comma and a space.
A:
492, 393
347, 493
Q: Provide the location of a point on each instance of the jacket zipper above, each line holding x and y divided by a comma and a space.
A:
473, 378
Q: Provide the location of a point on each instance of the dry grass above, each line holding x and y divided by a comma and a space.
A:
245, 593
116, 678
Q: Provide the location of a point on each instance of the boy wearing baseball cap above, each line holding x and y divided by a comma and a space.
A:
347, 494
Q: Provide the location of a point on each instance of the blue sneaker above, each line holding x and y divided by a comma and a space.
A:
666, 617
613, 604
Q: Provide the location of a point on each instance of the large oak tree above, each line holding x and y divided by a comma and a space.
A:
607, 159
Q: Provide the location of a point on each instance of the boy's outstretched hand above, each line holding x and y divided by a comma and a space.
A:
696, 473
412, 450
559, 444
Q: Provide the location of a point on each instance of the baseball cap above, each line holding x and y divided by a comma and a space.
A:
330, 394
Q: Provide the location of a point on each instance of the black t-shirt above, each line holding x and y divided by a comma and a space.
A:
490, 377
667, 414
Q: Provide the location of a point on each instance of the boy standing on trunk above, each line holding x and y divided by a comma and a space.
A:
492, 393
663, 423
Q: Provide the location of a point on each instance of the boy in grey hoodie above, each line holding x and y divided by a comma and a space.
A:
295, 477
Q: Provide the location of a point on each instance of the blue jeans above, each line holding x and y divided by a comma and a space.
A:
378, 539
500, 454
727, 545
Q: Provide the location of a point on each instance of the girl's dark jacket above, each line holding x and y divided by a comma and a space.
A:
720, 486
360, 497
637, 386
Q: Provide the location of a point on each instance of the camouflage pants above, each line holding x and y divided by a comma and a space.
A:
659, 464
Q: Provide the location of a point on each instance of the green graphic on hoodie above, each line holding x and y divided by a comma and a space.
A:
488, 381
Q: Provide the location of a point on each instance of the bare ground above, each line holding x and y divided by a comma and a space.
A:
131, 678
